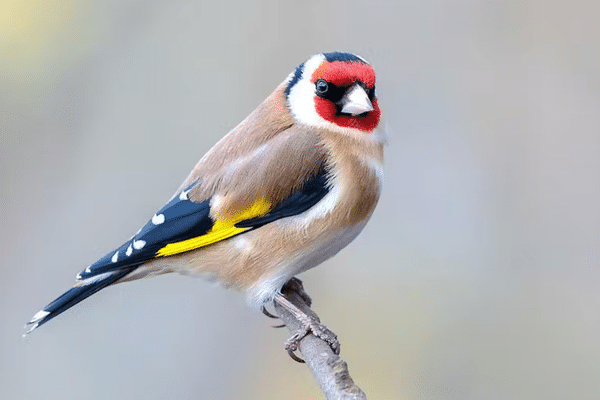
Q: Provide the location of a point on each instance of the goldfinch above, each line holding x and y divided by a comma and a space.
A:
286, 189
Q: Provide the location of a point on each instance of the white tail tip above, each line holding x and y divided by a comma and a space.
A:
39, 316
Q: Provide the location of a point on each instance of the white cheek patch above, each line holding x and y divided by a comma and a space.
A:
301, 96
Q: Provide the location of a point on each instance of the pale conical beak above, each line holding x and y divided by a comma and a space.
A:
356, 101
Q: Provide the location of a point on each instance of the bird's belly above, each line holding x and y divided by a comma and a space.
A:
260, 261
301, 259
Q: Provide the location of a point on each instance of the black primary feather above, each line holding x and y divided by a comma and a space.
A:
182, 219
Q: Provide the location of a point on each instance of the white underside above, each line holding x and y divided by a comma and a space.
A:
309, 258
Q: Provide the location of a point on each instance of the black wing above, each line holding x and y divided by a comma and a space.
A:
181, 225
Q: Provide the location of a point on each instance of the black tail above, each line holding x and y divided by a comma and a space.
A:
82, 291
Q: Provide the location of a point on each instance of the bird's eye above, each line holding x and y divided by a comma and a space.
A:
321, 86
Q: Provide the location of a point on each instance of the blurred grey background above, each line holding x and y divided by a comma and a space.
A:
477, 277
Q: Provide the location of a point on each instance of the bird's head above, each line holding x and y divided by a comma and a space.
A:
334, 91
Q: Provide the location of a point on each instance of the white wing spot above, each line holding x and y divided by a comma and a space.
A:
115, 257
88, 270
138, 244
129, 251
158, 219
184, 195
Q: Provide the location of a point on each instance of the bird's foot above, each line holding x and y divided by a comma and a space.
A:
308, 324
311, 325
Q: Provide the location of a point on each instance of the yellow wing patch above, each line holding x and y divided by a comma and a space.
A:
221, 230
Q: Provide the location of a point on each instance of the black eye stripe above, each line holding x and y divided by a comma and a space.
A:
333, 93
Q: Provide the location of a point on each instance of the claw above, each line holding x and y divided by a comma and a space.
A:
278, 326
291, 345
295, 357
268, 314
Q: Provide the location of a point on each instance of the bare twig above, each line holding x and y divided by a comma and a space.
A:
330, 371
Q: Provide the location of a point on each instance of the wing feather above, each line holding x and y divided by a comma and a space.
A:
265, 169
287, 180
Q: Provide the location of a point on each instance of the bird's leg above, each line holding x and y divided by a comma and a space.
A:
295, 285
308, 324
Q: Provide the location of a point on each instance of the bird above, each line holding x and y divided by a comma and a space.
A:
286, 189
